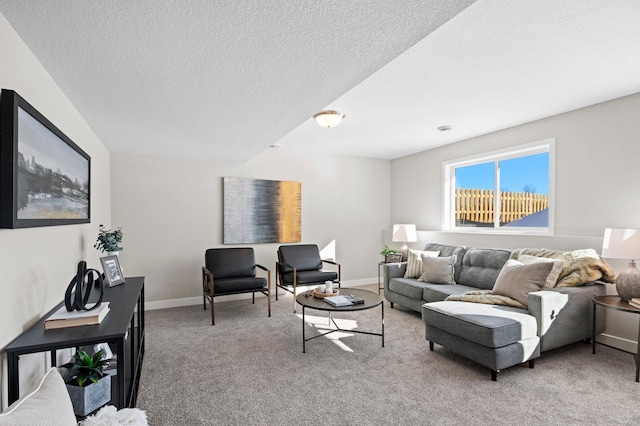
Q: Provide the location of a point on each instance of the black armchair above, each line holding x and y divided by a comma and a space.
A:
301, 265
232, 271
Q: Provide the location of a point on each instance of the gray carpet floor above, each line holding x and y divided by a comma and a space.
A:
250, 370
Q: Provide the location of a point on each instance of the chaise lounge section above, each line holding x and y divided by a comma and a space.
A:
465, 314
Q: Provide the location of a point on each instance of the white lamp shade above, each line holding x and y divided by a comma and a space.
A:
404, 233
621, 243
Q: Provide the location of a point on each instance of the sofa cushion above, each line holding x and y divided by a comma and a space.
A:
48, 405
446, 251
409, 287
480, 267
488, 325
438, 292
517, 280
438, 270
414, 262
309, 277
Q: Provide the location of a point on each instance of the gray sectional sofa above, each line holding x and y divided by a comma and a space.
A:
496, 336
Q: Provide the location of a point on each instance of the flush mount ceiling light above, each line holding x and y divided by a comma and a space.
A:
329, 118
444, 128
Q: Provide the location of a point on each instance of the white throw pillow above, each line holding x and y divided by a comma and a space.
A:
558, 265
414, 262
438, 270
48, 405
516, 280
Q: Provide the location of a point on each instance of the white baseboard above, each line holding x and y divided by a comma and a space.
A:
617, 342
190, 301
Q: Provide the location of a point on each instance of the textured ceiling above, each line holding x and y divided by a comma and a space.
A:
498, 64
214, 79
226, 79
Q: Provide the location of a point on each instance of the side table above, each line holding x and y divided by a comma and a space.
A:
614, 302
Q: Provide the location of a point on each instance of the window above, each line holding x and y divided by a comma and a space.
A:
507, 191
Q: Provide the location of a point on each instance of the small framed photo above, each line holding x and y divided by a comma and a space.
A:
112, 270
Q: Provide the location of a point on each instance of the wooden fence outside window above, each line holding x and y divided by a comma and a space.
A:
476, 205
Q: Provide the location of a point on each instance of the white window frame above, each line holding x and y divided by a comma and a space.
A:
449, 186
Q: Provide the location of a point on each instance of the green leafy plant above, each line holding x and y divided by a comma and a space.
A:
108, 239
386, 250
85, 369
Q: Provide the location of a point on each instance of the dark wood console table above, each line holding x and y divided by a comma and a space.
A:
122, 329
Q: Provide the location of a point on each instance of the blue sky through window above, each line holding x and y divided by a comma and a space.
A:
515, 174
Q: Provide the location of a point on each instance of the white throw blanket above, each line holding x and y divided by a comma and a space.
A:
110, 416
580, 266
485, 296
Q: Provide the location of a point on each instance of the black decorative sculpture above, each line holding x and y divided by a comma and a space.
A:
79, 289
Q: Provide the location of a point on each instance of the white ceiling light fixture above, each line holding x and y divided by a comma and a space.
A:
329, 118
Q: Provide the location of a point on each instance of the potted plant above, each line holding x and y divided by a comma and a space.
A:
109, 240
88, 386
391, 255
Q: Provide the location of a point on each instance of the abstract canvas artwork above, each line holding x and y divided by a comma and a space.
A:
261, 211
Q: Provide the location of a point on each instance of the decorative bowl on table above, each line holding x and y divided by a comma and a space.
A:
321, 295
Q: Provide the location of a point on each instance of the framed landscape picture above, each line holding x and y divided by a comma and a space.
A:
44, 175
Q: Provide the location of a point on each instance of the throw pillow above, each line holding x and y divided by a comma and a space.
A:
516, 280
48, 405
438, 270
552, 279
414, 262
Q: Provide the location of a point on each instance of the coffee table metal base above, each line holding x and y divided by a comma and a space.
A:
306, 339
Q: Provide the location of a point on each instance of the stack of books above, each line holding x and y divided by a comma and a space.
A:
63, 318
635, 302
346, 300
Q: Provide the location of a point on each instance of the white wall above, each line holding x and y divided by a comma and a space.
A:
171, 212
597, 175
38, 263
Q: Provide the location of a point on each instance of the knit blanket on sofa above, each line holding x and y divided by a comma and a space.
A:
580, 266
485, 296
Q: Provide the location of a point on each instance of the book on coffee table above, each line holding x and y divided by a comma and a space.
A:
354, 300
338, 301
635, 302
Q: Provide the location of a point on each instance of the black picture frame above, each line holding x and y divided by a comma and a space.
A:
112, 270
45, 178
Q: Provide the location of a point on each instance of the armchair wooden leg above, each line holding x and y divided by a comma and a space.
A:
213, 315
277, 277
294, 297
269, 292
295, 282
253, 298
204, 291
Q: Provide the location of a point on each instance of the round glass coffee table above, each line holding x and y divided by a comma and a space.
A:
371, 300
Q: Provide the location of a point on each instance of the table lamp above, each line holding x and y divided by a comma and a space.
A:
404, 233
620, 243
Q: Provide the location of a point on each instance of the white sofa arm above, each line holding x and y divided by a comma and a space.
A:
564, 314
545, 306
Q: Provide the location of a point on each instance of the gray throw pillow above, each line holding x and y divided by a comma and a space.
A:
558, 265
516, 280
414, 262
438, 270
